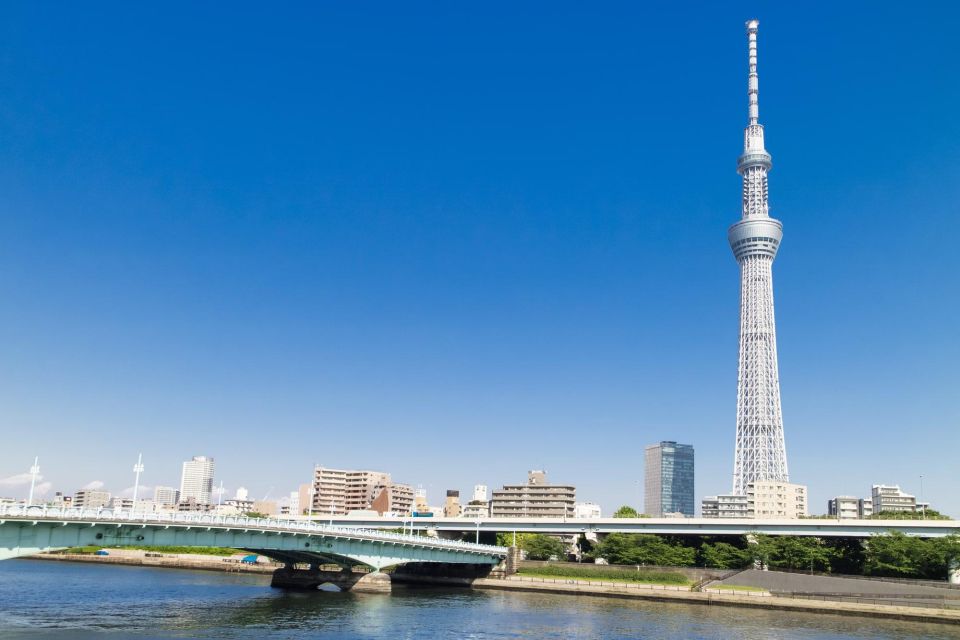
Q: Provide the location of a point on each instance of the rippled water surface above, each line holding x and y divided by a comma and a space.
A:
42, 599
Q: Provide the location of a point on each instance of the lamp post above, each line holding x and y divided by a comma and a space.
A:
34, 471
137, 469
220, 495
313, 492
923, 506
478, 530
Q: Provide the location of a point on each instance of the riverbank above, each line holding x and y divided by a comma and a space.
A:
167, 560
759, 600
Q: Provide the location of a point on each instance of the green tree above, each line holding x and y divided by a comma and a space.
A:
723, 555
847, 555
626, 511
792, 552
541, 547
927, 514
896, 554
646, 549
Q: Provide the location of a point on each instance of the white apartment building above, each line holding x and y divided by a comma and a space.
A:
196, 480
479, 493
725, 506
773, 499
889, 497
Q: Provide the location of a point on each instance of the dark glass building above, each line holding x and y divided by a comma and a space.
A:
668, 480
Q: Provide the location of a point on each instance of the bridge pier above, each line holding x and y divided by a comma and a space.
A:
289, 577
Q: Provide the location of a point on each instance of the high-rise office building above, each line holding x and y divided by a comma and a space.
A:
196, 480
760, 453
668, 480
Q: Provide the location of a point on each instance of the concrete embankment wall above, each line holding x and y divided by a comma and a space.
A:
681, 595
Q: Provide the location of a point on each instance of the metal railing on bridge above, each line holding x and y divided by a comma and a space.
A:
43, 512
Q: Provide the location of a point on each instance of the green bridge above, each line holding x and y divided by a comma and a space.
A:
304, 547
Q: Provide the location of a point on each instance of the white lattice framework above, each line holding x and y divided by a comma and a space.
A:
760, 449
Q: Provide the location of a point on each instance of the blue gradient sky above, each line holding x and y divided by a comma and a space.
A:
460, 242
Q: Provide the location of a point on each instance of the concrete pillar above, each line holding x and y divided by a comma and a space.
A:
953, 572
373, 582
512, 562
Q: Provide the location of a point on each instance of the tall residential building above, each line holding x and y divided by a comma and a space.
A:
452, 507
196, 480
892, 498
536, 498
760, 453
91, 499
166, 495
340, 491
668, 480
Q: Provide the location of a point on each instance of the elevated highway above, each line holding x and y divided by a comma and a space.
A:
665, 526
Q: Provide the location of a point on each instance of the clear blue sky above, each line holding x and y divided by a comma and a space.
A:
460, 242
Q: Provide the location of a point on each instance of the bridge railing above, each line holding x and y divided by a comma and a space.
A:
44, 512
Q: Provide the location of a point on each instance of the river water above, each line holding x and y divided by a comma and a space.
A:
43, 599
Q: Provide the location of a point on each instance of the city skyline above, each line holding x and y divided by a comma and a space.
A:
353, 240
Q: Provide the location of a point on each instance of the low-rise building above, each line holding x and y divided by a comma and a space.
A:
535, 499
725, 506
476, 509
166, 495
586, 510
844, 507
91, 499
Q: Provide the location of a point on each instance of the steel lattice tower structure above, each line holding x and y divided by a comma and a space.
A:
760, 450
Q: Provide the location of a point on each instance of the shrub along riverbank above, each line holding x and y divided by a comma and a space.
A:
611, 574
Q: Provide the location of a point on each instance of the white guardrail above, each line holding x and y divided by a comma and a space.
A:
38, 512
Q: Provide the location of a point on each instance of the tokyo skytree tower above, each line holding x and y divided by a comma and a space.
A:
760, 452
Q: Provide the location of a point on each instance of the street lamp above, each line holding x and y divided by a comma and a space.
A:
478, 530
313, 492
137, 469
34, 471
923, 506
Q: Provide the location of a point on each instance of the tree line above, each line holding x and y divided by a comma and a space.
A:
892, 554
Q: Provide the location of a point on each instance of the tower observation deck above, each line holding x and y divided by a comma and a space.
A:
760, 449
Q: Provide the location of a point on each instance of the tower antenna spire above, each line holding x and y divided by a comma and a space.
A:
753, 88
